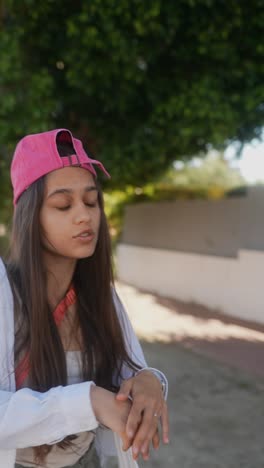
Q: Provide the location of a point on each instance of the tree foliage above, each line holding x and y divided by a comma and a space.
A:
212, 171
144, 83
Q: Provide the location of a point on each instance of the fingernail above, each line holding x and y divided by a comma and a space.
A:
130, 434
135, 451
167, 441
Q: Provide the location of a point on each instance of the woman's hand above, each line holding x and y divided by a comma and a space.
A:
148, 406
111, 412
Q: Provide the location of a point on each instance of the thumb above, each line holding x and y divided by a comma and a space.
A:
124, 391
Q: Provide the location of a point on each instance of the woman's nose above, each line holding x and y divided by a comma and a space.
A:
82, 214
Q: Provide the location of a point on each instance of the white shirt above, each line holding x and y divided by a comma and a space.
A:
29, 418
68, 456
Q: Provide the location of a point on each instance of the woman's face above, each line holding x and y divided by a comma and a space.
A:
70, 213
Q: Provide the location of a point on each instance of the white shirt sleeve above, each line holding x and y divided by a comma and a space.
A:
29, 418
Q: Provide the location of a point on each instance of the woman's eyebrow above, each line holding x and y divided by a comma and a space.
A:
89, 188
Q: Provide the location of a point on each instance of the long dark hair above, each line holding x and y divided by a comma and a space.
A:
104, 350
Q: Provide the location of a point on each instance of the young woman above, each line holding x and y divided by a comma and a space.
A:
74, 387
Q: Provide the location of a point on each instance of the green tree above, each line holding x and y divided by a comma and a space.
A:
144, 83
212, 171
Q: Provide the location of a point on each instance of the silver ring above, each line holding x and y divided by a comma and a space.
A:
155, 415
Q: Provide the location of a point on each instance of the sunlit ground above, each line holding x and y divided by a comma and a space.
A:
153, 321
232, 341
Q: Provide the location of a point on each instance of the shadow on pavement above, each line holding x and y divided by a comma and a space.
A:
216, 412
230, 340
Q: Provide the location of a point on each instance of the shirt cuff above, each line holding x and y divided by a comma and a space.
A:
77, 408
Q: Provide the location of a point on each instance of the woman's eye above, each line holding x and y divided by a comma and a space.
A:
91, 205
63, 208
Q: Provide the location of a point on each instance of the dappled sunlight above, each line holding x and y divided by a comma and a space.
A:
153, 321
2, 230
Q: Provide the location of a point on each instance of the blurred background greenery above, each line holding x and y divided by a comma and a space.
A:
152, 88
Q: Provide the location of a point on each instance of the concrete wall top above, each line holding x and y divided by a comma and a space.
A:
210, 227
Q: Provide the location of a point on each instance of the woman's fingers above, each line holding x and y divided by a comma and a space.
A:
156, 440
145, 433
148, 432
125, 389
126, 442
165, 423
147, 410
146, 445
134, 419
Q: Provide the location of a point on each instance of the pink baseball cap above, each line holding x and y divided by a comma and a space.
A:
36, 155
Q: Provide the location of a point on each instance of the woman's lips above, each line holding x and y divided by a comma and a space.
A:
85, 236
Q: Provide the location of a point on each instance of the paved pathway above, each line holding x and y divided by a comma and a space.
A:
236, 342
216, 375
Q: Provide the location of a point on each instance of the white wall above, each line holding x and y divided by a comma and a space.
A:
233, 285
